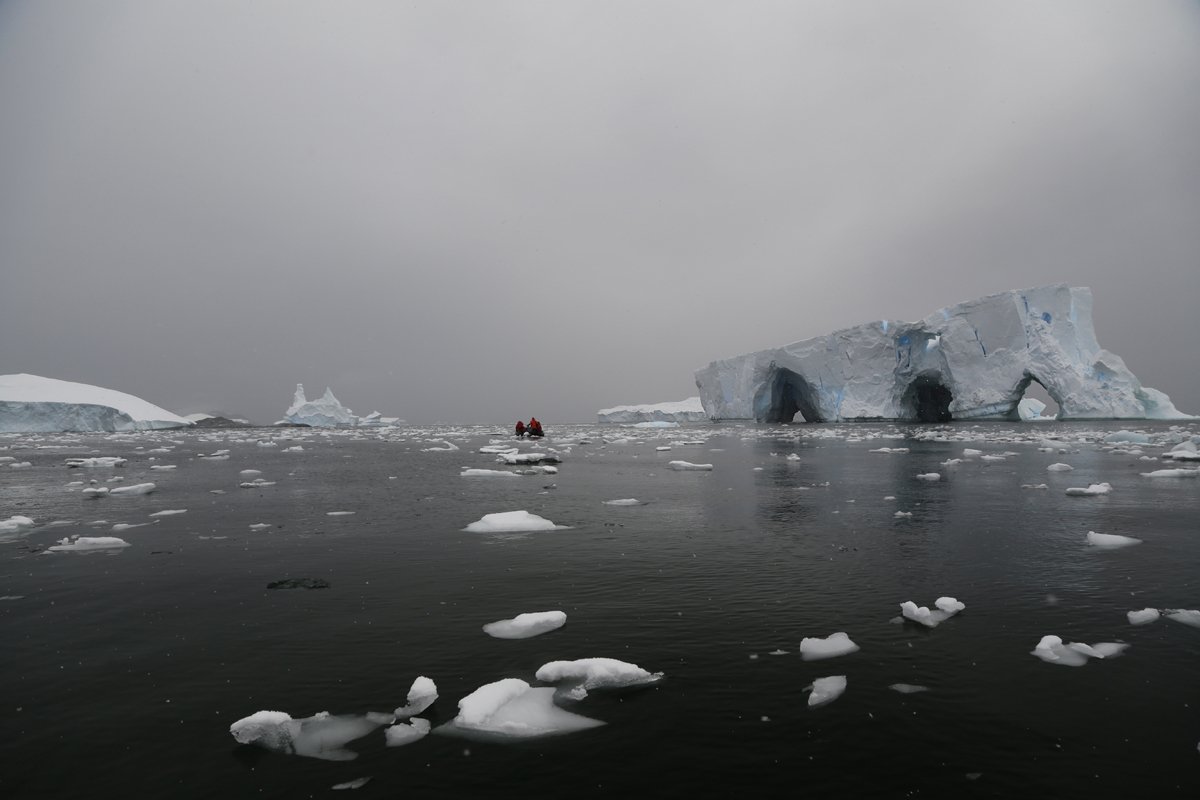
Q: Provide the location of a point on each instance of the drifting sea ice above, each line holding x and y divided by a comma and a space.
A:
319, 736
1143, 617
162, 467
529, 458
526, 626
944, 609
626, 501
908, 688
1110, 541
97, 462
1188, 616
511, 522
421, 695
89, 543
403, 733
586, 674
1052, 650
1172, 473
511, 708
169, 512
826, 690
1060, 467
929, 476
259, 526
487, 473
257, 483
15, 524
1091, 491
683, 466
836, 644
130, 491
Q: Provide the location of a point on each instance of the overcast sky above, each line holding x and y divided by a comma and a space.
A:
453, 211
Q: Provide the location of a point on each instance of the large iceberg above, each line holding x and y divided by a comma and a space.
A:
973, 360
689, 410
33, 404
328, 412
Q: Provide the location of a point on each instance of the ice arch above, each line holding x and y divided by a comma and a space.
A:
1018, 393
927, 399
785, 394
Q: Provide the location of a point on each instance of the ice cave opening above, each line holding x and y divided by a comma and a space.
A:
1042, 405
789, 395
927, 400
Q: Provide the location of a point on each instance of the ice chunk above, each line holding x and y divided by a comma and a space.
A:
421, 695
257, 483
512, 521
511, 708
15, 524
1052, 650
319, 736
259, 526
525, 626
944, 608
403, 733
1091, 491
1172, 473
826, 690
89, 543
97, 462
357, 783
487, 473
1059, 467
1188, 616
627, 501
340, 513
929, 476
535, 457
130, 491
1110, 541
683, 466
1143, 617
908, 688
836, 644
586, 674
169, 512
1127, 437
447, 447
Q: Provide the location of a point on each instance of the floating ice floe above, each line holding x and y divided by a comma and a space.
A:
1184, 451
1092, 490
929, 476
989, 459
421, 695
319, 736
510, 708
250, 473
826, 690
890, 450
951, 462
124, 526
403, 733
97, 462
162, 467
82, 543
1052, 650
902, 514
448, 447
525, 626
15, 524
1110, 541
357, 783
1187, 616
487, 473
836, 644
130, 491
169, 512
511, 522
625, 501
908, 688
1143, 617
586, 674
944, 609
683, 466
1035, 486
257, 483
1059, 467
340, 513
1172, 473
259, 526
529, 458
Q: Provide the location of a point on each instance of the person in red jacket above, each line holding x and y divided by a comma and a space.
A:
520, 429
535, 427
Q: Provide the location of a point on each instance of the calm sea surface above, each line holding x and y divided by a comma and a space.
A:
121, 673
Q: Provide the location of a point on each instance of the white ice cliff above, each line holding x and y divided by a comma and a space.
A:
689, 410
31, 403
973, 360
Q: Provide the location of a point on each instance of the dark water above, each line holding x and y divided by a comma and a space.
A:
120, 674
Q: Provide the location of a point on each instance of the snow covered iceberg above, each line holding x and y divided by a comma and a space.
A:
33, 404
689, 410
328, 412
973, 360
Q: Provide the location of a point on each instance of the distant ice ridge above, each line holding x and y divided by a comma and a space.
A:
33, 404
689, 410
972, 360
328, 412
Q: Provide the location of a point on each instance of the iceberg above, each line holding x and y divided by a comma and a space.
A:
319, 736
585, 674
689, 410
510, 708
327, 412
973, 360
826, 690
33, 404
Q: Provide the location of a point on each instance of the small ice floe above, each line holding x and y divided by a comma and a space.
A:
293, 449
1127, 437
525, 626
340, 513
169, 512
250, 473
218, 455
908, 688
487, 473
1110, 541
257, 483
512, 522
538, 469
1059, 468
1143, 617
890, 497
403, 733
951, 462
826, 690
124, 526
902, 514
944, 609
319, 736
992, 459
421, 695
1092, 490
969, 453
892, 450
793, 456
15, 524
778, 651
1052, 650
130, 491
1188, 616
929, 476
1172, 473
259, 526
266, 443
357, 783
510, 708
625, 501
97, 462
664, 448
536, 457
586, 674
683, 466
836, 644
1184, 451
83, 543
448, 447
162, 467
95, 492
1034, 486
21, 465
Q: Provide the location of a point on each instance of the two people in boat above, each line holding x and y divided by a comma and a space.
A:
533, 429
